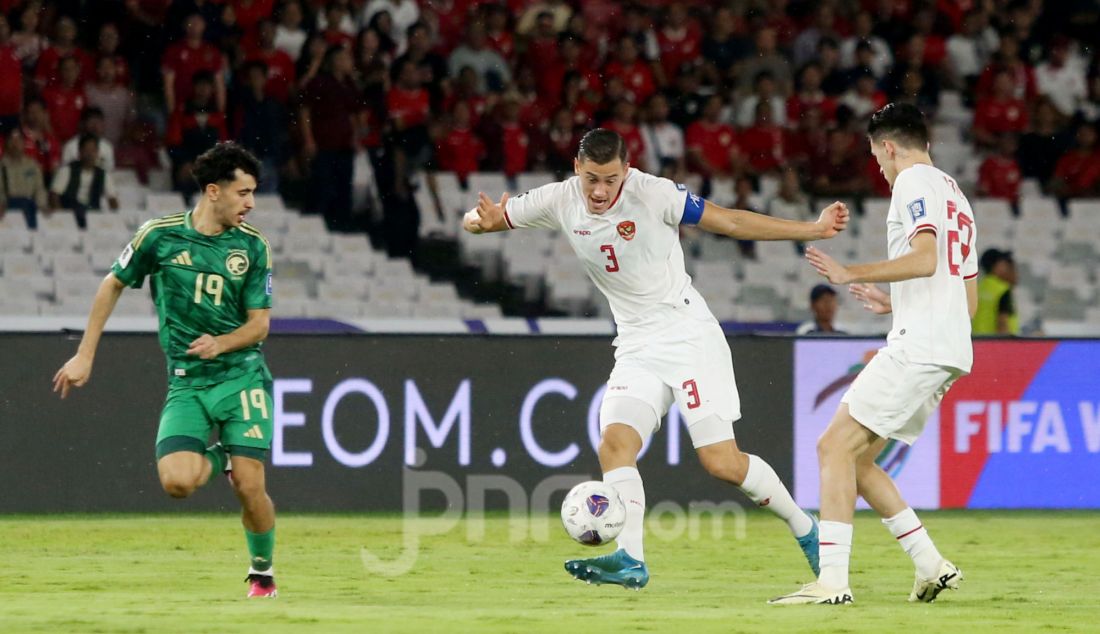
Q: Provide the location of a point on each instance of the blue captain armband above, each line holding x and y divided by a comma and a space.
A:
693, 208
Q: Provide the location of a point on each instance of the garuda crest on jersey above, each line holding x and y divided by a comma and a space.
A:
627, 229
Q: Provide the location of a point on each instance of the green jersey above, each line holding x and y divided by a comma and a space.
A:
201, 285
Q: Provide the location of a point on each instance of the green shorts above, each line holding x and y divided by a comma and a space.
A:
240, 408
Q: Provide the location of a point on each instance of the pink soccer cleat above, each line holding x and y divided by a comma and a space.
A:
262, 586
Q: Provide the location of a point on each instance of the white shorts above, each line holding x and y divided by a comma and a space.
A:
893, 397
695, 371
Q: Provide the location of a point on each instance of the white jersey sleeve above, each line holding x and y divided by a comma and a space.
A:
673, 202
538, 208
918, 205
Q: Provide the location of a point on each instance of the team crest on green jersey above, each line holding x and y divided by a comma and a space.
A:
237, 262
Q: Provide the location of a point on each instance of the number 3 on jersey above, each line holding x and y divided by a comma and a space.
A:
956, 237
613, 262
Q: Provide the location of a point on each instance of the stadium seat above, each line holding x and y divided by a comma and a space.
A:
160, 203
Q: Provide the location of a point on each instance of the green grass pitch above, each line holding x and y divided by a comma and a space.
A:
1025, 571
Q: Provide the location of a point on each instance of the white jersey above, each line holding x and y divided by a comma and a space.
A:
631, 251
931, 320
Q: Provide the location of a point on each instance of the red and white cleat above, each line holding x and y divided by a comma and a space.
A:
261, 586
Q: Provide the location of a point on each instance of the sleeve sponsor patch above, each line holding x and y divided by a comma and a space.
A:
268, 287
917, 209
125, 256
682, 187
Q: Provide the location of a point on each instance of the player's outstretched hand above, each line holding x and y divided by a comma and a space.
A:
829, 268
872, 298
75, 373
205, 347
486, 215
833, 219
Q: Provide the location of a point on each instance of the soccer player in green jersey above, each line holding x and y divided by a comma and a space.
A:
210, 274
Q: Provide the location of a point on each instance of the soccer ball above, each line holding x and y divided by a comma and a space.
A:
593, 513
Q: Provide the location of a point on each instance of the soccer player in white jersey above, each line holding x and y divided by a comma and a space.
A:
931, 268
624, 226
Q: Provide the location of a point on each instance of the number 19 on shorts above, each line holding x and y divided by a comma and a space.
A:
253, 400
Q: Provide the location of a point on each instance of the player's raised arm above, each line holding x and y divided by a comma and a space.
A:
919, 262
488, 216
78, 369
748, 225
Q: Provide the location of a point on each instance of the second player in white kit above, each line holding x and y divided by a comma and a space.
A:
931, 268
624, 226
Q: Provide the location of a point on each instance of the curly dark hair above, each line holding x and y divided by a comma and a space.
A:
220, 163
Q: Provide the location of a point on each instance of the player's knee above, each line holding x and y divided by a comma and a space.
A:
828, 446
248, 488
177, 487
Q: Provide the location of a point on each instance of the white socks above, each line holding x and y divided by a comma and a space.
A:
628, 482
910, 533
835, 549
763, 487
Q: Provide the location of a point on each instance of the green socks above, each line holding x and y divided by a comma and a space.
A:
260, 547
218, 458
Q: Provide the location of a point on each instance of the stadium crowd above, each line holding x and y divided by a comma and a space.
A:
735, 89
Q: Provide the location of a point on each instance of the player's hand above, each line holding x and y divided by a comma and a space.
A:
872, 298
205, 347
829, 268
75, 373
833, 219
487, 214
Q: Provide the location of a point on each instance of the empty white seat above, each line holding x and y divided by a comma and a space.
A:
69, 264
531, 180
1043, 209
21, 265
161, 202
15, 238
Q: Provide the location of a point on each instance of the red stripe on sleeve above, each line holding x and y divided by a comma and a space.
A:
920, 228
970, 277
507, 220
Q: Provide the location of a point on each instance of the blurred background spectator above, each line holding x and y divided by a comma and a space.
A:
996, 313
823, 307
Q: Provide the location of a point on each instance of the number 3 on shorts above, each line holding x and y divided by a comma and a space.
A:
255, 399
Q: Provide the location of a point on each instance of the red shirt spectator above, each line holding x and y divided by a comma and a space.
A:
679, 41
281, 72
763, 145
38, 142
999, 116
65, 104
332, 102
516, 144
999, 177
632, 136
408, 107
185, 58
46, 70
460, 151
250, 12
637, 78
1078, 171
715, 142
634, 72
